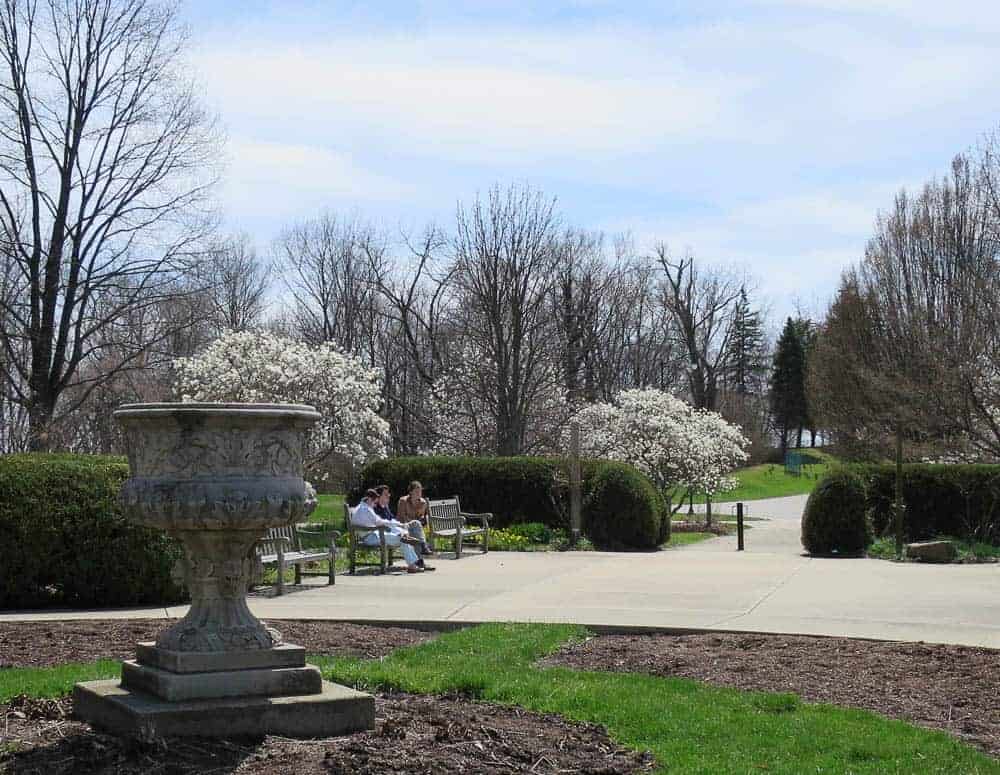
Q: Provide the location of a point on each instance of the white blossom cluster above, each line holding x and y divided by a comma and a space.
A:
260, 367
666, 438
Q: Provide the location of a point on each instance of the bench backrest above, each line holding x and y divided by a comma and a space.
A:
448, 508
267, 545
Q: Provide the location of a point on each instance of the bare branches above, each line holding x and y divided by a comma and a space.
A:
701, 302
106, 163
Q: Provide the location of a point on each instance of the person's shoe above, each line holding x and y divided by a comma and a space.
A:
427, 567
414, 569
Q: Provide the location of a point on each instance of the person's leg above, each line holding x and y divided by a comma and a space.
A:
409, 553
394, 538
417, 531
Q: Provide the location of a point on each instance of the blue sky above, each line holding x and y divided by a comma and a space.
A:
764, 134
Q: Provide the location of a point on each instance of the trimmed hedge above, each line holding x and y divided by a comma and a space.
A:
526, 489
836, 519
64, 542
962, 501
955, 500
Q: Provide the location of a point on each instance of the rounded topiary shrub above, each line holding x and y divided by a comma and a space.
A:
63, 540
622, 509
836, 518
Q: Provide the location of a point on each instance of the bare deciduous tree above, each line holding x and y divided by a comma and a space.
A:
701, 302
237, 284
106, 162
505, 269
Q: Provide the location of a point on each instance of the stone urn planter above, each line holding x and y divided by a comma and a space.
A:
216, 477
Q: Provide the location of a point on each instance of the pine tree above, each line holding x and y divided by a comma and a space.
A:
745, 356
807, 332
788, 391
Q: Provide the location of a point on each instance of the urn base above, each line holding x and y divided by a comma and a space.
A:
335, 710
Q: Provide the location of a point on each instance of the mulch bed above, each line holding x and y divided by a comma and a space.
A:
41, 644
953, 688
412, 735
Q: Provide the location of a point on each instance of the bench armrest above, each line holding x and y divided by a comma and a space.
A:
485, 517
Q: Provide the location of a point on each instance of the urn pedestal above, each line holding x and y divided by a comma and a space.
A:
216, 476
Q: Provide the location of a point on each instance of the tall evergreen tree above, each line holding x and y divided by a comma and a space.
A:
807, 331
746, 357
788, 392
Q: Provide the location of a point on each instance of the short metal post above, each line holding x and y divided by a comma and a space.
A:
739, 527
575, 485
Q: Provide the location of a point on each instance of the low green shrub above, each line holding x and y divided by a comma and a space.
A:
64, 542
508, 541
622, 509
520, 490
956, 500
836, 519
534, 532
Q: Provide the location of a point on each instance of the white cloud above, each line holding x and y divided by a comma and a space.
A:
465, 98
281, 179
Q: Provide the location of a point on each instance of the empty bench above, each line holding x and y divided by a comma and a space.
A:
447, 521
282, 546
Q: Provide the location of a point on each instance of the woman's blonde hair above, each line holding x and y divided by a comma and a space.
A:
414, 485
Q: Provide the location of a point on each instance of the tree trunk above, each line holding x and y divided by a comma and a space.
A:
798, 439
40, 424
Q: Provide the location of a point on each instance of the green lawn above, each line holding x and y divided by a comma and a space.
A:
690, 727
685, 539
770, 480
329, 510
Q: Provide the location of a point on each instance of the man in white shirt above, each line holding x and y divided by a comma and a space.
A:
365, 516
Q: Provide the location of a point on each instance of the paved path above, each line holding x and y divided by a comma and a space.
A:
770, 587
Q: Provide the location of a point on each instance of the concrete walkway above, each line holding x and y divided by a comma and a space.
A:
770, 587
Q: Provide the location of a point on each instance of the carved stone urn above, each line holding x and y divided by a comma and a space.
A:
216, 477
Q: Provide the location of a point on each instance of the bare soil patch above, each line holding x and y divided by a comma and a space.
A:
953, 688
412, 735
42, 644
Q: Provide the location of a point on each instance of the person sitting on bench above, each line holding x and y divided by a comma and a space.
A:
365, 516
413, 526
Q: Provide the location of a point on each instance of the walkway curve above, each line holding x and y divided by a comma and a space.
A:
771, 587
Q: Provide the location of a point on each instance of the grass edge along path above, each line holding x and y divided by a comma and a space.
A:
688, 726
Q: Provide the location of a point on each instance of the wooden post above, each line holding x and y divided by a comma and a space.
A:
708, 510
575, 483
739, 527
898, 505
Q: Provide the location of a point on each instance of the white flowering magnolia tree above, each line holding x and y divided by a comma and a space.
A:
666, 438
260, 367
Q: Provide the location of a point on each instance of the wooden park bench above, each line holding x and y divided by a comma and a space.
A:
356, 535
282, 546
447, 520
